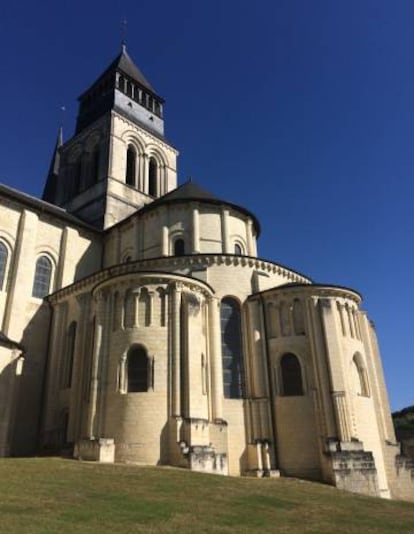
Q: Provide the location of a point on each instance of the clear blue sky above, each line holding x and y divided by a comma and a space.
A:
302, 111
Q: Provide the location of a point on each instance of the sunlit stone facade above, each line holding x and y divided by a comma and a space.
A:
139, 324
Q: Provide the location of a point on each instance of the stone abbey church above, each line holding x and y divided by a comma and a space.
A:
139, 324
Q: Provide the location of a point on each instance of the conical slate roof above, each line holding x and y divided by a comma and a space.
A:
190, 191
124, 64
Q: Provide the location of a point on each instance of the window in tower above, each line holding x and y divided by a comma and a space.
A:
131, 165
121, 84
3, 263
152, 177
137, 369
291, 375
129, 89
179, 247
231, 349
43, 276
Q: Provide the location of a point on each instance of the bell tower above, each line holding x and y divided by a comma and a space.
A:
118, 159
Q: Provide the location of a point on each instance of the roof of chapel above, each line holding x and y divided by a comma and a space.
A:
192, 192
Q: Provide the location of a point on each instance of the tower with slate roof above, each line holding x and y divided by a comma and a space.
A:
118, 159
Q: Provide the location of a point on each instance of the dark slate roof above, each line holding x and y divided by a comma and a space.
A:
43, 206
4, 340
124, 64
190, 191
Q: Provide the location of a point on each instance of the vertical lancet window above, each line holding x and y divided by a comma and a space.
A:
138, 370
291, 374
3, 263
69, 355
232, 349
131, 165
43, 275
152, 177
238, 250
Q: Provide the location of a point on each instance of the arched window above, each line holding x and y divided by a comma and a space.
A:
179, 247
238, 250
360, 379
131, 165
231, 349
291, 375
152, 177
69, 355
137, 362
43, 275
3, 263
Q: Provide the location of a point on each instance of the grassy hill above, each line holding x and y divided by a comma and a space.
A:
54, 495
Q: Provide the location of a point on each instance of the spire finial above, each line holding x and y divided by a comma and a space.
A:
124, 24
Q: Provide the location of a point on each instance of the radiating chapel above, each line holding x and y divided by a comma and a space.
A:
140, 325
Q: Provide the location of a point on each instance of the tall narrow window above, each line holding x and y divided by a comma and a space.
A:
238, 250
3, 263
131, 165
232, 349
67, 367
179, 247
43, 275
152, 177
291, 374
137, 360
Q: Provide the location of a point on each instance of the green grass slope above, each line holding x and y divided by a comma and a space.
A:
54, 495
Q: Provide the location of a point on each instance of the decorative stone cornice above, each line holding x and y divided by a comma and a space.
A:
309, 290
166, 265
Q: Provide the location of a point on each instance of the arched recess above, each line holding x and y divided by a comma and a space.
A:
4, 260
359, 375
138, 369
290, 376
232, 349
43, 277
298, 320
285, 319
144, 307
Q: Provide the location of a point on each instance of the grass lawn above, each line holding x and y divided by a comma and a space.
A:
54, 495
